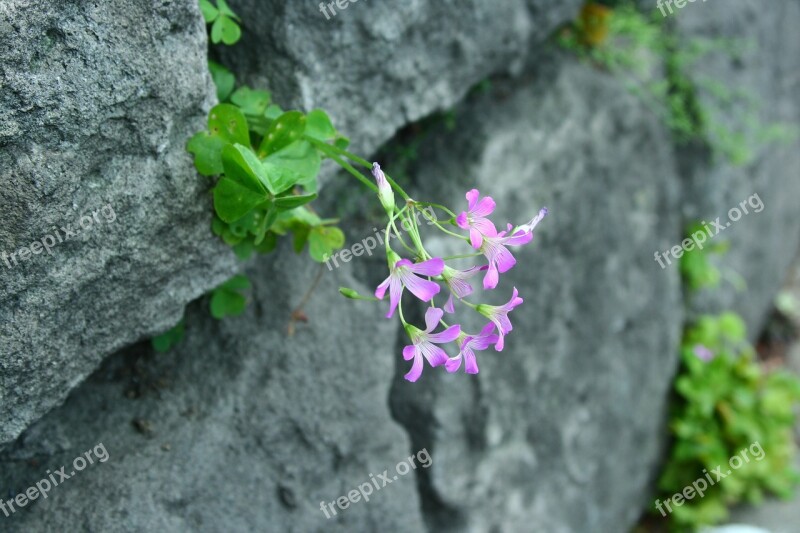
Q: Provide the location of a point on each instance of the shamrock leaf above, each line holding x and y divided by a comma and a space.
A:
243, 187
300, 160
162, 343
225, 10
226, 125
323, 240
290, 202
210, 12
225, 30
224, 80
286, 129
250, 101
319, 126
227, 299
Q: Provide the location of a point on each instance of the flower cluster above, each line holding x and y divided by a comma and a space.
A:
425, 276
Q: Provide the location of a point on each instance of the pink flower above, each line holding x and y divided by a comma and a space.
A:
458, 282
474, 219
468, 345
500, 259
499, 316
702, 352
424, 343
403, 275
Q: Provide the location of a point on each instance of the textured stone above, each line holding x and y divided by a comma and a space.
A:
241, 428
376, 66
97, 101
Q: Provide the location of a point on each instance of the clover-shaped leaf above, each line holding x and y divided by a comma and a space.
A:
224, 80
227, 299
286, 129
164, 342
301, 160
251, 102
319, 126
323, 240
243, 187
226, 125
210, 13
225, 30
290, 202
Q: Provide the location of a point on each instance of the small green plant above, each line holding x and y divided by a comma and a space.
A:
725, 402
224, 22
228, 299
655, 64
164, 342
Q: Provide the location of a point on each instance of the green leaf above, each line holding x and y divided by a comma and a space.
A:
285, 130
323, 240
223, 78
226, 10
241, 165
319, 126
225, 30
290, 202
269, 243
228, 122
244, 250
209, 11
227, 300
252, 102
273, 111
207, 150
301, 160
232, 200
162, 343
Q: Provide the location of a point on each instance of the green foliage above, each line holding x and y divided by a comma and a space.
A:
164, 342
724, 406
725, 402
267, 161
228, 299
655, 64
696, 267
223, 21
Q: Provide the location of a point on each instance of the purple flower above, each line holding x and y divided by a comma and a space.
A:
702, 352
499, 316
468, 344
424, 343
457, 281
474, 219
385, 194
500, 259
403, 274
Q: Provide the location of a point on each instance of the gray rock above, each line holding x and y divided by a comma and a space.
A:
97, 101
763, 244
241, 428
376, 66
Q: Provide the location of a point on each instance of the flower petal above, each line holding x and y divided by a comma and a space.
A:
449, 305
484, 207
435, 355
431, 267
475, 238
448, 335
461, 220
421, 288
491, 278
505, 261
453, 364
395, 293
409, 352
432, 317
472, 198
470, 362
416, 370
380, 291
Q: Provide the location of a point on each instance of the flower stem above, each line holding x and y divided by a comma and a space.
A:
330, 149
324, 148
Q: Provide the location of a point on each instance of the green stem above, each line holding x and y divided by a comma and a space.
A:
360, 160
325, 148
464, 256
438, 206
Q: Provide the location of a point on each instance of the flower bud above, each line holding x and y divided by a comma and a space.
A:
385, 194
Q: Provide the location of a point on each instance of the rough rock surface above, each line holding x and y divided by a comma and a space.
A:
240, 428
376, 66
763, 244
97, 100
